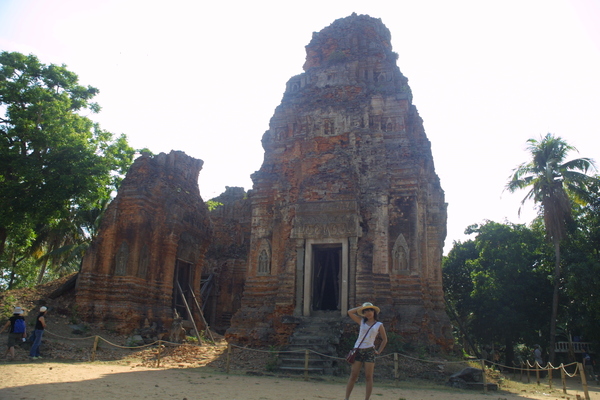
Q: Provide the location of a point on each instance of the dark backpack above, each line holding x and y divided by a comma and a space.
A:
19, 326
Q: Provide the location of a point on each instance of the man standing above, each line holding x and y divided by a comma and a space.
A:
40, 325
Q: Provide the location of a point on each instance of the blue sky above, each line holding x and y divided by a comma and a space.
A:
205, 78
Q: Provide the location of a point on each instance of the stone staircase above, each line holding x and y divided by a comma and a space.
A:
319, 333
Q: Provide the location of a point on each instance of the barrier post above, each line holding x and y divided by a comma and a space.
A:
550, 368
583, 381
537, 372
93, 356
563, 378
228, 357
306, 354
396, 366
485, 388
158, 353
528, 376
521, 369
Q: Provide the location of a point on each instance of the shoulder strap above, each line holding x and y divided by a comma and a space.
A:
364, 337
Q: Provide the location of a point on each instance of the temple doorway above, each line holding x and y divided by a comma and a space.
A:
182, 279
325, 286
327, 263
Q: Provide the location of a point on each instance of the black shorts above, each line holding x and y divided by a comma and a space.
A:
366, 355
14, 339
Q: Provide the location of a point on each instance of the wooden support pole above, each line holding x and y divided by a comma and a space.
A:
583, 381
189, 311
396, 366
306, 356
550, 368
528, 376
158, 353
93, 356
202, 315
537, 373
485, 388
228, 357
563, 378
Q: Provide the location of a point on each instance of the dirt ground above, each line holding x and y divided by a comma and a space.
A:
193, 372
51, 380
200, 372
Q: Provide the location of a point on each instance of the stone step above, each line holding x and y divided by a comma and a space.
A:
312, 361
302, 369
309, 339
318, 333
300, 349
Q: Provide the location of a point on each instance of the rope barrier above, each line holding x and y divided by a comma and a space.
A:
70, 338
431, 361
528, 365
127, 347
548, 366
116, 345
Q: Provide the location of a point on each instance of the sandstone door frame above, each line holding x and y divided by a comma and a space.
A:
309, 268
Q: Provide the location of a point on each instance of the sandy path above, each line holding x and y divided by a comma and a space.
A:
70, 381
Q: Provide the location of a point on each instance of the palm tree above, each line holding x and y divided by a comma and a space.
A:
553, 185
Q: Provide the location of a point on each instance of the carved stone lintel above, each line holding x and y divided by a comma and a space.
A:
325, 219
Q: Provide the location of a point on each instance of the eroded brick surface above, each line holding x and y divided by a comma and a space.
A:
157, 224
348, 181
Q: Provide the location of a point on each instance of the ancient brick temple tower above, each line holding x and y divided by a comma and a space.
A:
347, 206
152, 239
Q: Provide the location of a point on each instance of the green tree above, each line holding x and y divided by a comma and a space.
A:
581, 255
497, 282
554, 184
456, 273
17, 264
53, 159
458, 286
62, 243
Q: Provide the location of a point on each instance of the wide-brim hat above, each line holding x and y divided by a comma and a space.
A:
18, 310
367, 306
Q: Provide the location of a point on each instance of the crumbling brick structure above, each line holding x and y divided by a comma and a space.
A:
226, 262
152, 239
346, 207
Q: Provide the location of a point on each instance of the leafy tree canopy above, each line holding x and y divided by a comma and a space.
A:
499, 284
582, 272
53, 158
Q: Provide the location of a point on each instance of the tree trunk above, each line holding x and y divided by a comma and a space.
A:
13, 265
3, 235
40, 277
509, 352
464, 332
554, 316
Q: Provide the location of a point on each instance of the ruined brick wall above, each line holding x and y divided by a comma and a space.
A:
227, 257
347, 164
156, 221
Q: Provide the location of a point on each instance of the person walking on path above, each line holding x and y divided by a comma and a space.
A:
40, 325
366, 316
537, 355
588, 367
16, 333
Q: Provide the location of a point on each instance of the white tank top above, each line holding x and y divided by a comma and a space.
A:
370, 339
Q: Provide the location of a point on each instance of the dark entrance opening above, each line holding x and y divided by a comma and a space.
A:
183, 277
327, 264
